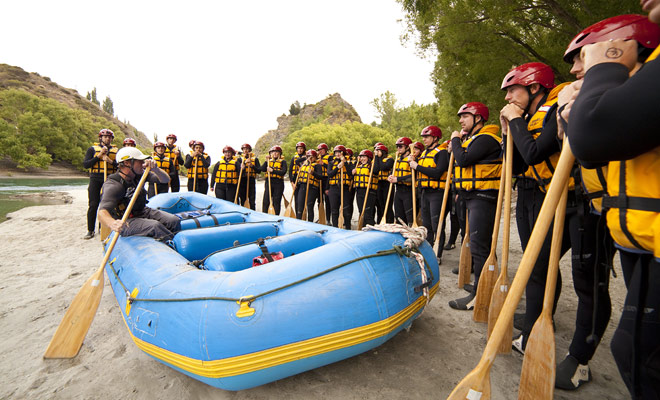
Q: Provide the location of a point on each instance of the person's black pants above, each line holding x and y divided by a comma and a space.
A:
175, 184
225, 191
335, 204
202, 185
311, 201
94, 197
244, 194
369, 207
403, 205
453, 217
481, 218
431, 206
381, 199
278, 191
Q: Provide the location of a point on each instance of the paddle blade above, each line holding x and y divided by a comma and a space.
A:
322, 220
475, 385
289, 212
247, 203
286, 202
341, 220
497, 299
464, 264
487, 280
105, 232
271, 210
71, 332
537, 379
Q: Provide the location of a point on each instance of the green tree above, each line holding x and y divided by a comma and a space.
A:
476, 43
93, 97
295, 108
107, 106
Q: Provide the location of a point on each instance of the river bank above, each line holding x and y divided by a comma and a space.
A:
45, 261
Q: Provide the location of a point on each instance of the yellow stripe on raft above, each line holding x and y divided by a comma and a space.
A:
281, 355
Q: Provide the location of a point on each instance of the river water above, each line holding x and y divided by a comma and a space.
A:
15, 192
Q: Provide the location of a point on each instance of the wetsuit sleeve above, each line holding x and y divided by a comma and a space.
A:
519, 165
534, 151
89, 159
616, 118
188, 162
317, 171
332, 169
282, 171
206, 161
215, 171
388, 165
112, 194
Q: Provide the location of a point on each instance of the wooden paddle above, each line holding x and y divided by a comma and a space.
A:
389, 193
195, 175
366, 196
322, 220
238, 184
414, 190
271, 208
445, 196
537, 379
105, 231
340, 224
309, 173
489, 271
246, 204
465, 262
71, 332
477, 383
502, 284
289, 213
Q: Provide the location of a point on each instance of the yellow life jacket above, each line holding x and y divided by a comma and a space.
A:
98, 167
202, 171
163, 162
361, 177
542, 172
170, 154
276, 165
383, 174
306, 172
427, 159
335, 180
401, 169
250, 170
633, 200
324, 163
485, 174
226, 172
295, 167
594, 184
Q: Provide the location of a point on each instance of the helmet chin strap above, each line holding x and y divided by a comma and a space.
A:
531, 96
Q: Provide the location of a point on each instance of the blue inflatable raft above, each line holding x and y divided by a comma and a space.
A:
197, 304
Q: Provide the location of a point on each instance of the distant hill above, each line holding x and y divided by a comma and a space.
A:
12, 77
331, 110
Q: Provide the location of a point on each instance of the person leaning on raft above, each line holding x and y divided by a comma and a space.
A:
118, 191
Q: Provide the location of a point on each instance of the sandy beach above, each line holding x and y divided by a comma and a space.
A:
45, 261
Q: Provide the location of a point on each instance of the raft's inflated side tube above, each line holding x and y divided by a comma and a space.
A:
196, 244
239, 258
206, 221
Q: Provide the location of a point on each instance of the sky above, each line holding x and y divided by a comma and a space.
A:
217, 71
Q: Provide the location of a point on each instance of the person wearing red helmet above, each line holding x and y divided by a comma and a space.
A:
247, 187
614, 119
477, 180
164, 163
384, 163
275, 165
198, 161
591, 276
401, 176
129, 142
431, 169
173, 152
311, 173
296, 161
338, 166
100, 160
366, 185
224, 178
324, 159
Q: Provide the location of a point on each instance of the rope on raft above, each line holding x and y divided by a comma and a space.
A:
414, 238
409, 250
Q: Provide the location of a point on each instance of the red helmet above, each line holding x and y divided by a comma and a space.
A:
229, 149
129, 141
382, 147
349, 151
376, 145
191, 143
159, 144
367, 153
275, 148
301, 144
312, 153
340, 147
106, 132
629, 26
530, 73
246, 145
171, 136
322, 146
418, 146
200, 143
431, 130
403, 141
475, 108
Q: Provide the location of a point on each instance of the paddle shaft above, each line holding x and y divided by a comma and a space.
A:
321, 205
476, 380
246, 204
414, 189
240, 174
366, 196
445, 196
304, 214
195, 174
104, 230
340, 222
271, 209
71, 332
465, 260
389, 192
